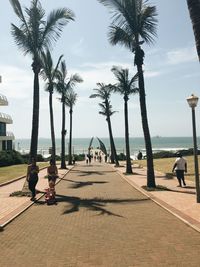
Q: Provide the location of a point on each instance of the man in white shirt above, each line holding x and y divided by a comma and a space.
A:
180, 166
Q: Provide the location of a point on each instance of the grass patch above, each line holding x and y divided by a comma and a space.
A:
157, 188
165, 165
11, 172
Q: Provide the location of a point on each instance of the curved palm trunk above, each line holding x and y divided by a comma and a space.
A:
150, 167
53, 153
128, 159
35, 116
114, 158
63, 132
194, 10
70, 139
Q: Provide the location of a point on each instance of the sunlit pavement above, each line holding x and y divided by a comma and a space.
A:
99, 220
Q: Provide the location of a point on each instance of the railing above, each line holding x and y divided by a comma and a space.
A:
5, 118
3, 100
9, 134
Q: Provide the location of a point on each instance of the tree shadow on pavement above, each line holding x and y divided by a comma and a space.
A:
88, 173
94, 204
79, 184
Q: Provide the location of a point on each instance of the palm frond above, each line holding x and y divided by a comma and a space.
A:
18, 10
56, 20
71, 98
21, 39
94, 96
131, 20
148, 24
125, 86
119, 35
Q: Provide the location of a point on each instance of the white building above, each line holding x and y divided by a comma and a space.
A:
6, 138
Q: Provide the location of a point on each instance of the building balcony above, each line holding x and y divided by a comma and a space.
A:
5, 118
3, 100
9, 136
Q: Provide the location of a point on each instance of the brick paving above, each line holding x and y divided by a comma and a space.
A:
11, 206
100, 220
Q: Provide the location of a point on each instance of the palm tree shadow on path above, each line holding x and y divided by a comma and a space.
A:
89, 173
94, 204
79, 184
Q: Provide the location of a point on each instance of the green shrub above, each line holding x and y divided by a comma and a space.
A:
10, 157
121, 156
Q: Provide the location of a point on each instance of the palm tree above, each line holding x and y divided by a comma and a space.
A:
125, 87
63, 86
134, 22
70, 101
49, 73
104, 92
33, 36
194, 10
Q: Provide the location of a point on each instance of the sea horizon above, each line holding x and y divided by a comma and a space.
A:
80, 145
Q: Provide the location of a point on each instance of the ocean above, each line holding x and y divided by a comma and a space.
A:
80, 145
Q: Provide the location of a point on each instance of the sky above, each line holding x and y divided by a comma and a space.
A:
171, 71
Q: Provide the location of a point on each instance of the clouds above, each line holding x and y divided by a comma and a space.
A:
181, 55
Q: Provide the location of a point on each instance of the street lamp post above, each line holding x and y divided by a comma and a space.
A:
192, 101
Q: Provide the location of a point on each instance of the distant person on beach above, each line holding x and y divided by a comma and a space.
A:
52, 172
180, 166
139, 156
32, 177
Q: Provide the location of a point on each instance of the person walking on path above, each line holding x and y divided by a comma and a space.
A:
180, 166
32, 177
52, 172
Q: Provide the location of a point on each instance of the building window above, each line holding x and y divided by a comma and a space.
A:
4, 145
9, 145
2, 129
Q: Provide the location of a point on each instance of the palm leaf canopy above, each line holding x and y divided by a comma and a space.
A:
71, 98
103, 91
48, 72
134, 22
106, 110
34, 33
125, 85
64, 83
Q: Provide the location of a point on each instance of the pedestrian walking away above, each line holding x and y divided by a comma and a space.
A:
180, 166
32, 177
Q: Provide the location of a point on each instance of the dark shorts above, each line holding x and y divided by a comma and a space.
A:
180, 174
52, 178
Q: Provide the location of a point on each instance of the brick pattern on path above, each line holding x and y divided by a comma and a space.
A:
11, 206
100, 220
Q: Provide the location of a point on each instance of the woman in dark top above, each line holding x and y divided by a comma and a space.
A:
32, 177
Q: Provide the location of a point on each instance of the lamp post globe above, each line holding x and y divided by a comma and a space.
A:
192, 100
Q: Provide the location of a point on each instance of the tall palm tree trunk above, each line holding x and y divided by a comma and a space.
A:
53, 153
150, 167
35, 116
114, 158
194, 10
70, 139
128, 159
63, 132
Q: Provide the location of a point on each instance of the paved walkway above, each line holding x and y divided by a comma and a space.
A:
100, 220
179, 201
12, 206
